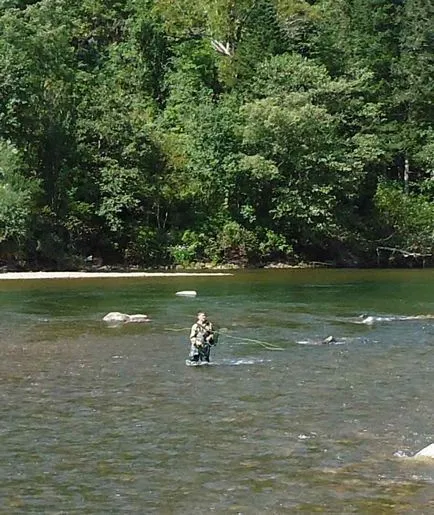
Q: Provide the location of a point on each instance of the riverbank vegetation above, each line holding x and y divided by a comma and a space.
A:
154, 132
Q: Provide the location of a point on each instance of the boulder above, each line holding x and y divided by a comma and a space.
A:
186, 293
426, 452
116, 318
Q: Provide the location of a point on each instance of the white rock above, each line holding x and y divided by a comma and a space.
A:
138, 318
115, 317
426, 452
187, 293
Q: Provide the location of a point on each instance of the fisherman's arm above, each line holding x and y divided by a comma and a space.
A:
210, 336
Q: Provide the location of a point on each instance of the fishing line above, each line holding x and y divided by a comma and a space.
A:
266, 345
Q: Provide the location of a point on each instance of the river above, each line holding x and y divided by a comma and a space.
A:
97, 419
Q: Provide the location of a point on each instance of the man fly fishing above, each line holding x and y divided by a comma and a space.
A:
202, 338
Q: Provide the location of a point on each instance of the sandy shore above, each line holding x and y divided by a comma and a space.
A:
93, 275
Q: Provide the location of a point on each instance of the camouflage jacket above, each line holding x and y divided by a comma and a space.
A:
201, 334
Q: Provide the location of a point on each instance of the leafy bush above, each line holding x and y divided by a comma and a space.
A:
145, 248
274, 246
236, 244
408, 219
190, 248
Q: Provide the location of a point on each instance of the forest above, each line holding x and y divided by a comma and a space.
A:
164, 133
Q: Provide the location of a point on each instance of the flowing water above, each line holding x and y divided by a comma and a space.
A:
97, 419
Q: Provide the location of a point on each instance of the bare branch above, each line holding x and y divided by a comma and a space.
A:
221, 48
405, 253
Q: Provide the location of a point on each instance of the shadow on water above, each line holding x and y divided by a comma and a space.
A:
110, 420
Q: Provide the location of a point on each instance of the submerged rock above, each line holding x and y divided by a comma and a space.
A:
371, 320
329, 339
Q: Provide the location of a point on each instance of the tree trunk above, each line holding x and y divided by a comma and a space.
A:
406, 174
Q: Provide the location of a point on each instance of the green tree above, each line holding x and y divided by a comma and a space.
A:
408, 219
17, 200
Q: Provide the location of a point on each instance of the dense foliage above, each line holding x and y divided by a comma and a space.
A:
155, 132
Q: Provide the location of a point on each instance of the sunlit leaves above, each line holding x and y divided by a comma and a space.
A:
408, 218
287, 73
286, 128
16, 195
146, 135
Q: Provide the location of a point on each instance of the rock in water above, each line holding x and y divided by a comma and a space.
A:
329, 339
138, 318
117, 318
426, 452
186, 293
